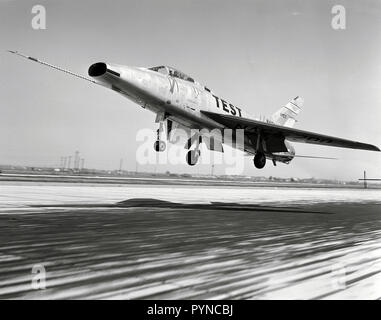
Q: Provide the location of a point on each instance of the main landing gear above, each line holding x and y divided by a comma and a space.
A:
260, 157
259, 160
193, 155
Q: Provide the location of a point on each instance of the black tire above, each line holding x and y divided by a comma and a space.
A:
192, 157
159, 146
260, 160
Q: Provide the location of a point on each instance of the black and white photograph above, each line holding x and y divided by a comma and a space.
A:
190, 150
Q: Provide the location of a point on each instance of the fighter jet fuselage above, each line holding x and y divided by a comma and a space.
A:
178, 97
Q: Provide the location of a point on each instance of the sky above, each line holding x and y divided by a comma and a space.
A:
256, 54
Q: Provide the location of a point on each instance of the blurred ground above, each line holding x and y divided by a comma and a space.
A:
172, 242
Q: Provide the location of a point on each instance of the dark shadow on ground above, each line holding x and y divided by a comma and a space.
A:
157, 203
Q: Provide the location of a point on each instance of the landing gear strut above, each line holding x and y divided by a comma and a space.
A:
259, 160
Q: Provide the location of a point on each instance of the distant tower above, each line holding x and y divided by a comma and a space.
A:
69, 162
365, 184
76, 161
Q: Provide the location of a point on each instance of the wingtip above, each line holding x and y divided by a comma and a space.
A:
374, 148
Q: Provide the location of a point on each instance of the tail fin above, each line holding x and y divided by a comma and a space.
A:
286, 115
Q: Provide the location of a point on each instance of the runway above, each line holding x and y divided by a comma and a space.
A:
116, 241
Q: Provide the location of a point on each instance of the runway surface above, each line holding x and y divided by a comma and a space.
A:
190, 242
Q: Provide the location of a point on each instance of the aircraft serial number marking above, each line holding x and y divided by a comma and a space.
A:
228, 108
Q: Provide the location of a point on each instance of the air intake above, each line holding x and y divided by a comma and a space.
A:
97, 69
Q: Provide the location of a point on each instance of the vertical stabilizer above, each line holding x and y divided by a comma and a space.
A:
286, 116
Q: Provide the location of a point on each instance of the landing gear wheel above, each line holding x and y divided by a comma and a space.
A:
192, 157
159, 146
259, 160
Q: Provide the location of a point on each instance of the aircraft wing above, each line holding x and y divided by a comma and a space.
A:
272, 130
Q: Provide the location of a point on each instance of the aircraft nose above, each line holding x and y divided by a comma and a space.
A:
125, 78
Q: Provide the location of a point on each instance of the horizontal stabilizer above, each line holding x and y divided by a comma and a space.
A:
315, 157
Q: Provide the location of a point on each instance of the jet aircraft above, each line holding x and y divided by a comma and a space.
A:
179, 101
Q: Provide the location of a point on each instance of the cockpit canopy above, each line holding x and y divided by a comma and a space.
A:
172, 72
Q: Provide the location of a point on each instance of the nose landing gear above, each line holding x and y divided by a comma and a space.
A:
159, 145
